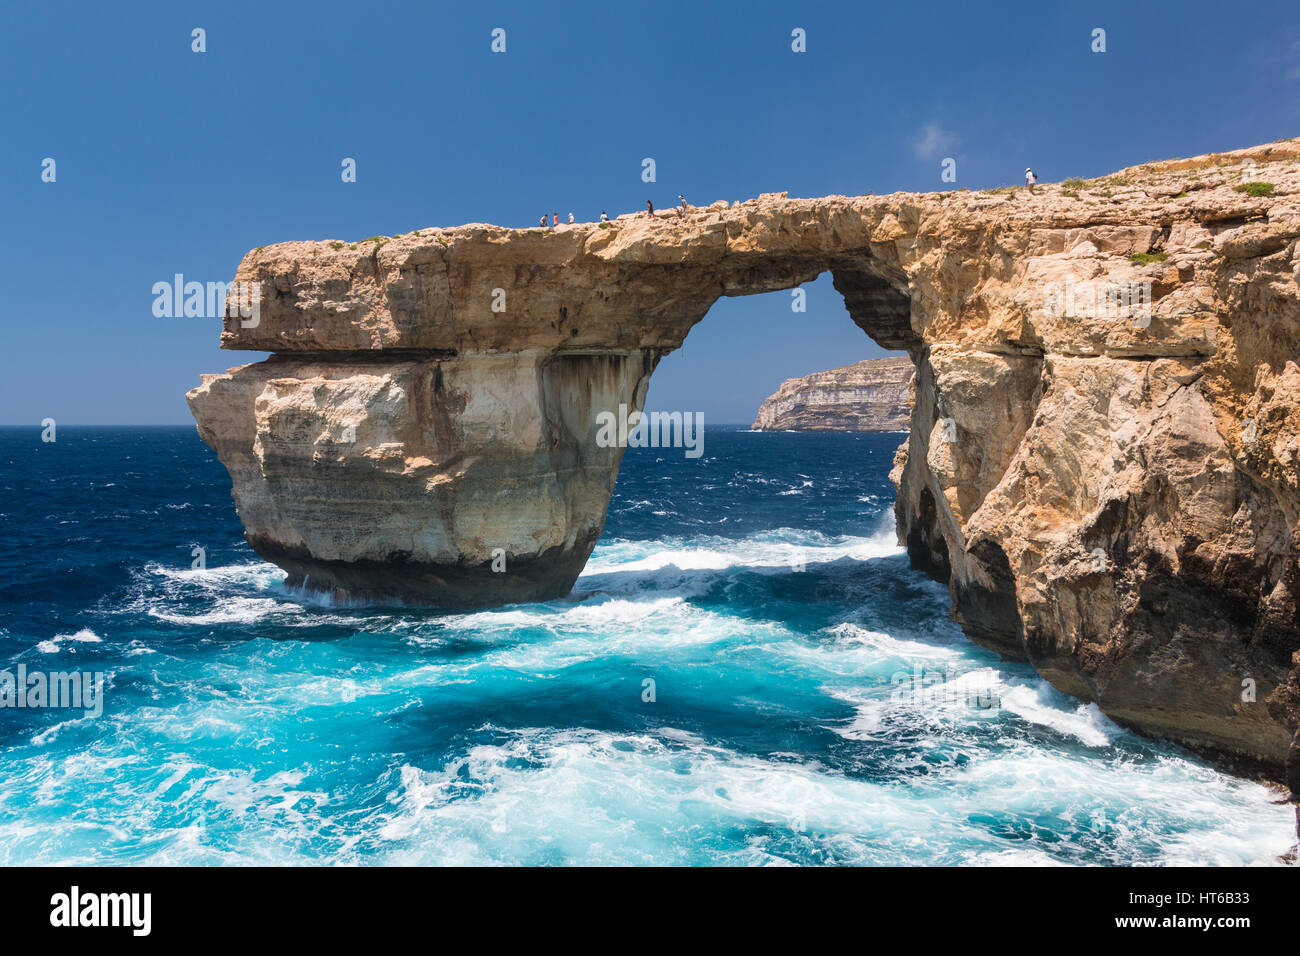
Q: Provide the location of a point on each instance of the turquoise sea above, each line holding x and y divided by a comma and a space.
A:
748, 672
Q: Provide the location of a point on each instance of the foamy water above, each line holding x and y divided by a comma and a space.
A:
738, 691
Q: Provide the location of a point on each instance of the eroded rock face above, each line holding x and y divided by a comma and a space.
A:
1104, 450
870, 396
409, 476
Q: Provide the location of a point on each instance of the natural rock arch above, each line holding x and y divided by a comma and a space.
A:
460, 438
1111, 493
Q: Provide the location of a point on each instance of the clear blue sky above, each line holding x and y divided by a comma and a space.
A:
172, 161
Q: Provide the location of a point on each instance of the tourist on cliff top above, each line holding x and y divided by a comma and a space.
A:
650, 206
682, 199
603, 216
542, 221
555, 219
1030, 179
570, 219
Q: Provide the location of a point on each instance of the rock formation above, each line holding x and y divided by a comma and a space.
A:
1104, 454
870, 396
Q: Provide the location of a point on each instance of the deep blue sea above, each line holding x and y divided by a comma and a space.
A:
748, 672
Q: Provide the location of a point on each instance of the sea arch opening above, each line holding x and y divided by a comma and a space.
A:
769, 321
791, 303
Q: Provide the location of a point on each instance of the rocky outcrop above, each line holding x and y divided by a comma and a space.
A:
455, 481
870, 396
1104, 452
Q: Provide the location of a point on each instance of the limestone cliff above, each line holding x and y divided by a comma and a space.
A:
1104, 452
869, 396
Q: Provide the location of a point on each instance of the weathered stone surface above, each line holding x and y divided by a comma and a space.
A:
1111, 491
870, 396
404, 476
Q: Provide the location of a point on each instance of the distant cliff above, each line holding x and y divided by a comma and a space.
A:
871, 396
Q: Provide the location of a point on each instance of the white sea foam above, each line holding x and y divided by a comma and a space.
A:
775, 550
544, 795
231, 610
255, 573
1041, 705
596, 797
549, 638
851, 637
925, 694
83, 636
